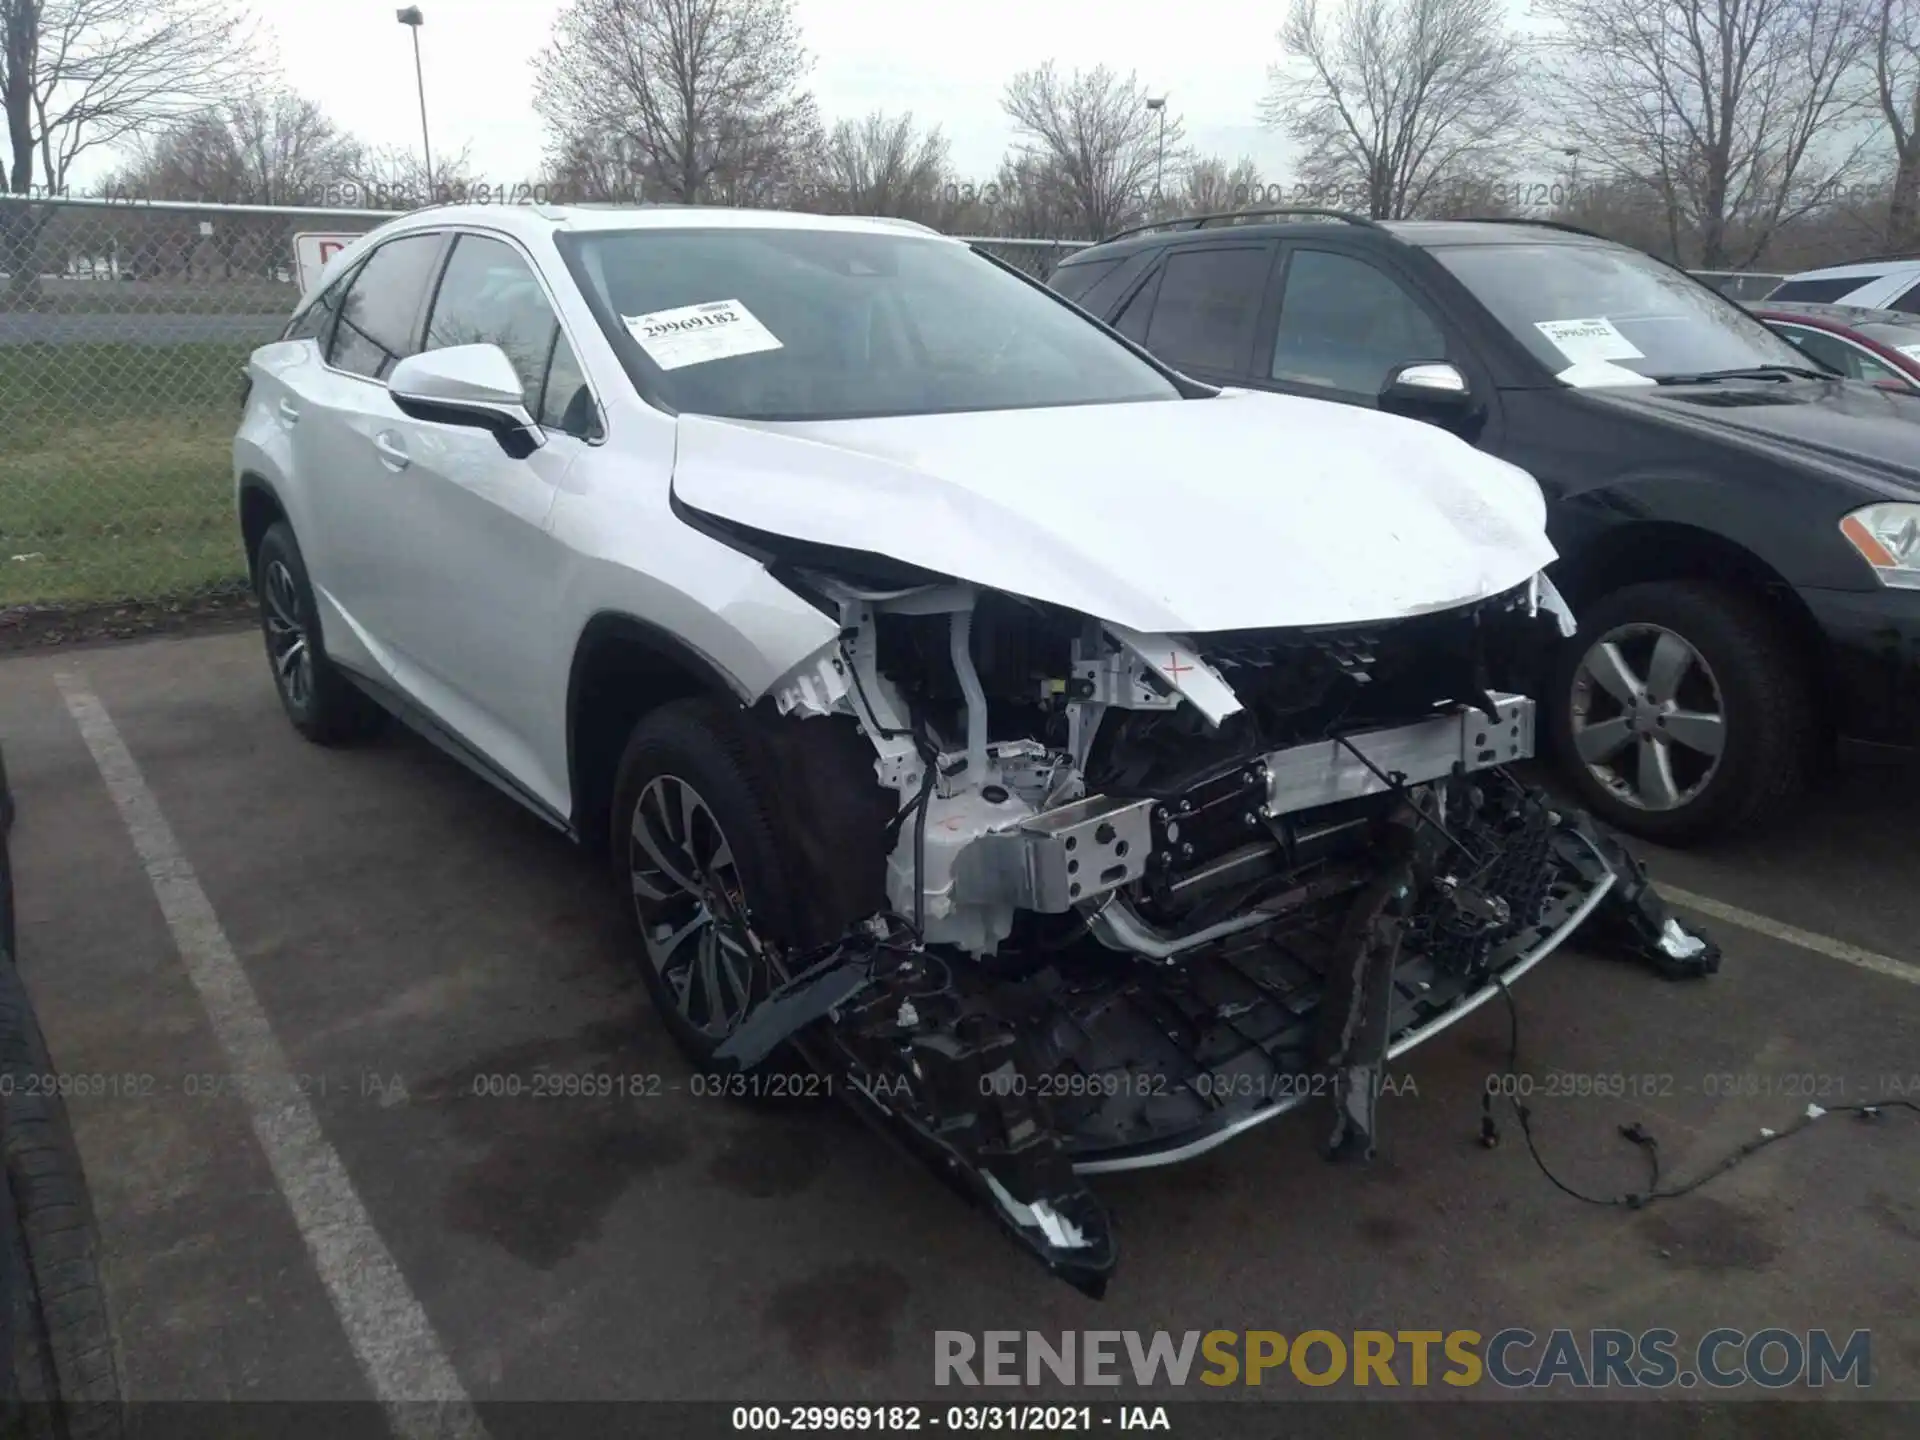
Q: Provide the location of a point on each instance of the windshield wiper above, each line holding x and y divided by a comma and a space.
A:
1749, 372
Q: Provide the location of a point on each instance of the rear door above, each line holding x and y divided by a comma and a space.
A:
361, 573
1199, 311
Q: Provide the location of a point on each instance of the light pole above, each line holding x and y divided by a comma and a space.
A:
413, 20
1160, 160
1572, 152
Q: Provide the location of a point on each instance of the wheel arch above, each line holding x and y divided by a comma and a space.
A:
259, 506
623, 667
1650, 551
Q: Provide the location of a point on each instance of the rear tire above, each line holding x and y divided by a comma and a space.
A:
1658, 765
322, 703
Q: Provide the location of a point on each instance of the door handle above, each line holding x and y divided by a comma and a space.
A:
392, 453
289, 412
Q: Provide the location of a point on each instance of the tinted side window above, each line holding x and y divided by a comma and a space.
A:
1909, 301
1344, 324
1073, 281
1208, 306
1132, 319
376, 323
316, 321
489, 296
1818, 290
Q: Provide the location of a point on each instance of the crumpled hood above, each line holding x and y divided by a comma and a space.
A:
1181, 516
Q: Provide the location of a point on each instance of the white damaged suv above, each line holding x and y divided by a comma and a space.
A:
1071, 764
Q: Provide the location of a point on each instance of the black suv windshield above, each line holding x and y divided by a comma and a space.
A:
806, 324
1605, 315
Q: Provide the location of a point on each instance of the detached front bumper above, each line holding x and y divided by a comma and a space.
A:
1245, 1011
1017, 1082
1873, 639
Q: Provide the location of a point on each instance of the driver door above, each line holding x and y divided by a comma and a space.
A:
481, 624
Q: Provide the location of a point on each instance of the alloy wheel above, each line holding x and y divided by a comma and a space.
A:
692, 908
1648, 718
287, 644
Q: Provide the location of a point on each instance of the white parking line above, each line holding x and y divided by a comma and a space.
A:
1792, 934
391, 1336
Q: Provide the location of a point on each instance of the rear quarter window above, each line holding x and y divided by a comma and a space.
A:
1073, 280
1818, 290
315, 322
1908, 302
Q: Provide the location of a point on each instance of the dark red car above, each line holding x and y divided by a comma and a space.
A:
1881, 346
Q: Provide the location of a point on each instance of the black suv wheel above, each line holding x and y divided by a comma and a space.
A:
1682, 712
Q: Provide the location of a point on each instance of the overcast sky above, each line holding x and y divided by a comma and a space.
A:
946, 63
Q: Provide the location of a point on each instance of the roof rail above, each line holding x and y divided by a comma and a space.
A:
1200, 222
1524, 220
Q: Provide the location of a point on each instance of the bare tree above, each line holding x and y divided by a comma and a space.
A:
589, 167
1209, 187
1092, 135
1026, 196
76, 74
883, 165
704, 97
395, 177
1734, 113
262, 149
1895, 37
1396, 101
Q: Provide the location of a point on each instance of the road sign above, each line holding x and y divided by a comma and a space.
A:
311, 252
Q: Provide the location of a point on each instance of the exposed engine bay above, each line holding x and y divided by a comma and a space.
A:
1132, 895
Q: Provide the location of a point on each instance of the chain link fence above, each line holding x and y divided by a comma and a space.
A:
124, 329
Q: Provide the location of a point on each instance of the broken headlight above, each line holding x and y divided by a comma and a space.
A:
1888, 538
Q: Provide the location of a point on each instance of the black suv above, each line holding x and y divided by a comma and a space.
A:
1739, 531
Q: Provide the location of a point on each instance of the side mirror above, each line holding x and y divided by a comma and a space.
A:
1430, 390
473, 385
1427, 384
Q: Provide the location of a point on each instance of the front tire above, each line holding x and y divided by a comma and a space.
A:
321, 702
697, 853
1683, 712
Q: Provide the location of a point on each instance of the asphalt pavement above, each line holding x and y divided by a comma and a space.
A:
410, 945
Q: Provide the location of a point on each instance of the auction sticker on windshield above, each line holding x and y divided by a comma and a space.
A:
1589, 374
697, 334
1594, 339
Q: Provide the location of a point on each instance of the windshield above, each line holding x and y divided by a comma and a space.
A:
1605, 315
800, 324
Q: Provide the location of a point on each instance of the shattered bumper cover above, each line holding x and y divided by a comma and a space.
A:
1251, 1000
1017, 1085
